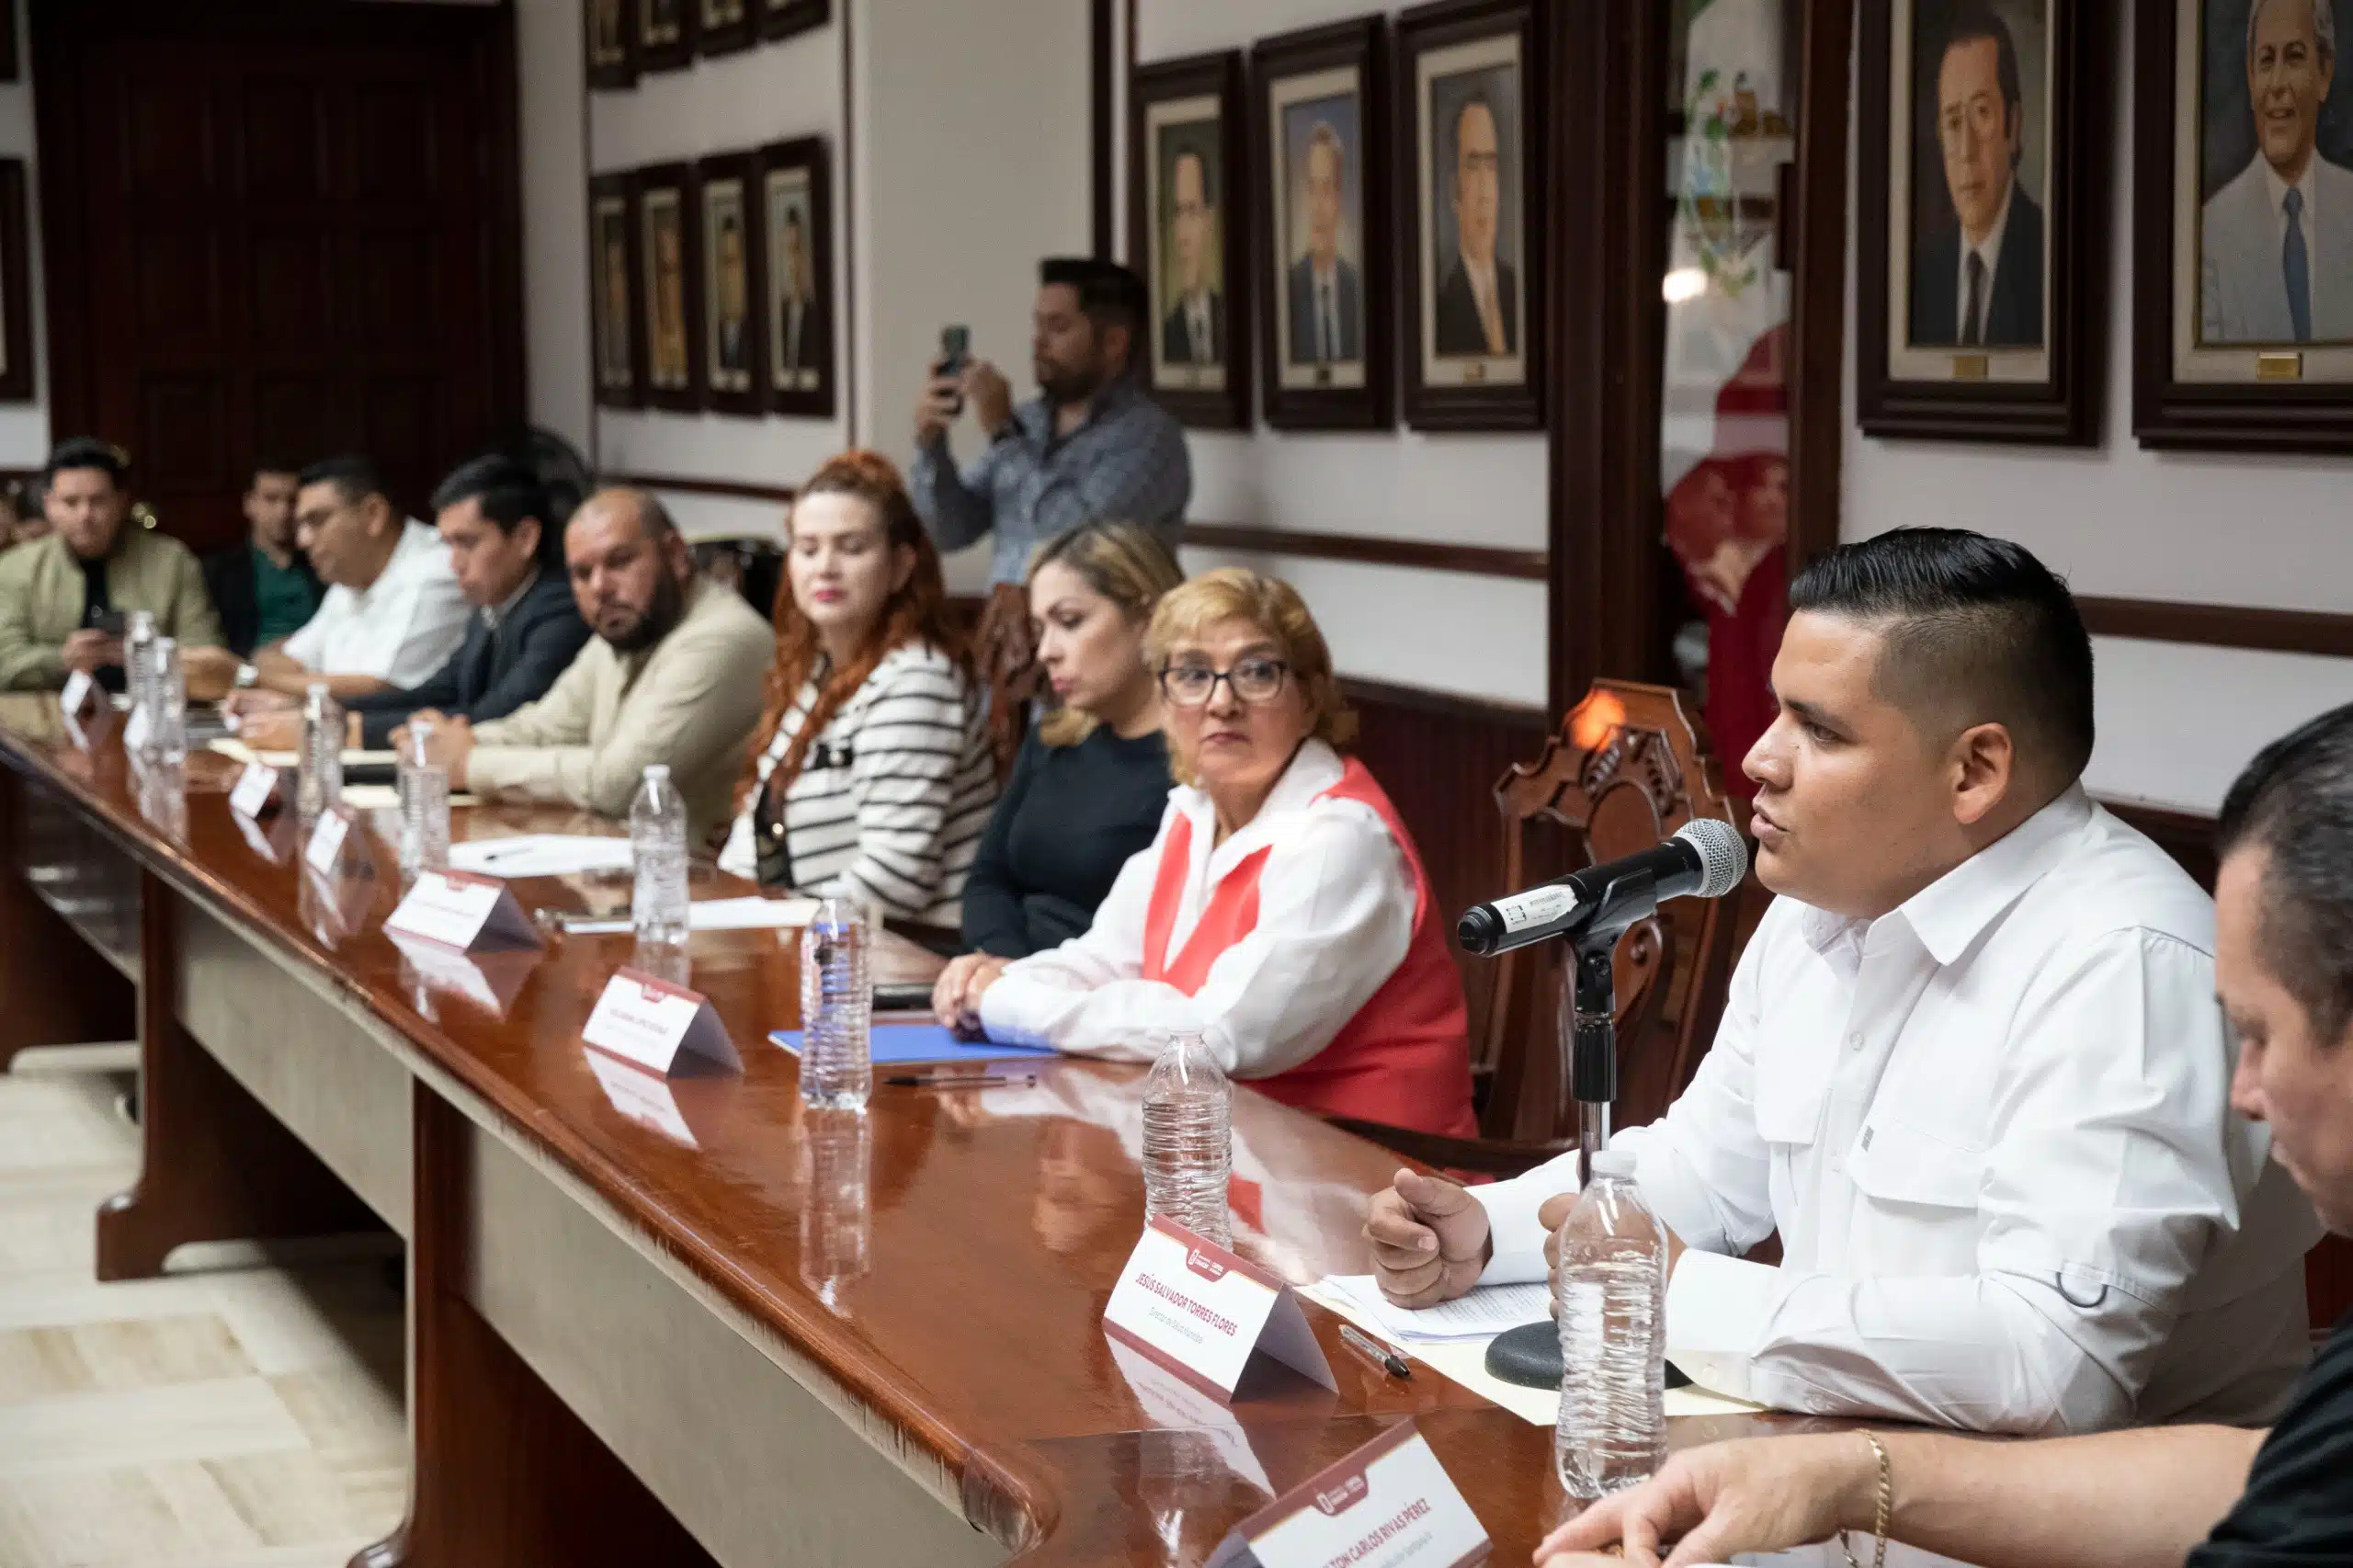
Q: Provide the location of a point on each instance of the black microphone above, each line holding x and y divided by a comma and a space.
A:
1704, 859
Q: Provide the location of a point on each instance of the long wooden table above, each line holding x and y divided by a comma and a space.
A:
686, 1322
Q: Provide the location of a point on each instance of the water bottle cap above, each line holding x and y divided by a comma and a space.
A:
318, 689
657, 771
165, 644
1614, 1163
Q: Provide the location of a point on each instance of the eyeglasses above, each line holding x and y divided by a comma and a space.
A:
1253, 680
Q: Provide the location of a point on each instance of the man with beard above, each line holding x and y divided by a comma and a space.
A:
674, 675
1090, 447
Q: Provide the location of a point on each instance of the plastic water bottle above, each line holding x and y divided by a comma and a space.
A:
424, 803
320, 786
1610, 1292
138, 657
657, 841
836, 1008
166, 739
1189, 1139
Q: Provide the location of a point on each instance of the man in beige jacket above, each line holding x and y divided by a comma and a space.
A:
63, 598
675, 675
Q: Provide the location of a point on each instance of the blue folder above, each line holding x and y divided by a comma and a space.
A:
909, 1045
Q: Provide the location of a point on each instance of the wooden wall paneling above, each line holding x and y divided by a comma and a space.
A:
1425, 555
2222, 625
214, 1165
60, 990
502, 1471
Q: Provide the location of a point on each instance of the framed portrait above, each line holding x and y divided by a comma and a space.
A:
1982, 234
2243, 225
1319, 105
723, 26
612, 43
615, 334
665, 33
783, 18
1472, 114
16, 286
1189, 234
670, 291
796, 221
734, 364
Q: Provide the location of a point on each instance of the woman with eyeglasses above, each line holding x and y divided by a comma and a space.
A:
1092, 781
868, 774
1282, 909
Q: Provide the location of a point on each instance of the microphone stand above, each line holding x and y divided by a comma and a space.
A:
1592, 1008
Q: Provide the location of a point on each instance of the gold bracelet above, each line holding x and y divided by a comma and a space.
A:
1886, 1506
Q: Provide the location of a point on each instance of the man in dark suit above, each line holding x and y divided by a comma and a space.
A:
1326, 294
1982, 285
799, 345
504, 536
1478, 304
1193, 332
734, 346
264, 588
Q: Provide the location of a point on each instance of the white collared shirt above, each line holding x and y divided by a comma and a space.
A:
1335, 914
1196, 324
400, 629
2308, 184
1993, 1128
1988, 251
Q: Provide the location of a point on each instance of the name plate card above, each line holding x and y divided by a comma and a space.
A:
1203, 1312
255, 792
325, 852
657, 1025
1387, 1505
79, 688
460, 910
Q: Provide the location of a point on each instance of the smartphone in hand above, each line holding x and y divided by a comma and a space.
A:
955, 354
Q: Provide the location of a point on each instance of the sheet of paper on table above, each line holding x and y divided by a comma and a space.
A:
237, 751
1464, 1361
749, 913
540, 855
387, 798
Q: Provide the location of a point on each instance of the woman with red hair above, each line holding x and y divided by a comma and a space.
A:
870, 775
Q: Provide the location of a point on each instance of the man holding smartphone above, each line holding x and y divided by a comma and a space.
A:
1090, 446
66, 599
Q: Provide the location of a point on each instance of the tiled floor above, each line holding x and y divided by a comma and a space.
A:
233, 1415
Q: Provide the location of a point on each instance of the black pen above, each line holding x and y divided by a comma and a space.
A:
1379, 1355
953, 1080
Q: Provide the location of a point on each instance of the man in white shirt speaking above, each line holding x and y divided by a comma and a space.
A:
393, 611
1970, 1069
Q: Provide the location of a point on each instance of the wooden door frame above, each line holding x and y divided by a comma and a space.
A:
65, 243
1608, 249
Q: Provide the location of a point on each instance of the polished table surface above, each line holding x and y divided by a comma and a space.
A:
946, 1258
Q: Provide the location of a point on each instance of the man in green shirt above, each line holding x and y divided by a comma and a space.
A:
63, 598
265, 588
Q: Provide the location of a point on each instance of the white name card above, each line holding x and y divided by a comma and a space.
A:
649, 1021
460, 910
79, 690
1387, 1505
1203, 1311
254, 790
325, 852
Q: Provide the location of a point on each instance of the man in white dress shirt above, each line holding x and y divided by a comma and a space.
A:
2275, 257
394, 612
1972, 1068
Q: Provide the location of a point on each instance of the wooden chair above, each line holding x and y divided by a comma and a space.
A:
1006, 657
1628, 767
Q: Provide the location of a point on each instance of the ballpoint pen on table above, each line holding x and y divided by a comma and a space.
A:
1379, 1355
955, 1080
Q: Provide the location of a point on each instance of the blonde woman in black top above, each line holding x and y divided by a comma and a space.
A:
1092, 781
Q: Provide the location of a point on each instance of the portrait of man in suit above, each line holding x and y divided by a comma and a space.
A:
665, 291
607, 39
1192, 329
796, 346
1324, 289
1477, 311
730, 292
1977, 279
658, 20
612, 320
2275, 261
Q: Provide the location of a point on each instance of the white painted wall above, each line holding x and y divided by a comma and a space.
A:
2176, 722
24, 426
552, 113
1479, 636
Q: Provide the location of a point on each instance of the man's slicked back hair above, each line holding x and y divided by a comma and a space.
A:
507, 491
355, 478
2295, 802
1977, 632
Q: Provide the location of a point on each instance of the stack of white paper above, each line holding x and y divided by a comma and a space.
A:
1482, 1314
540, 855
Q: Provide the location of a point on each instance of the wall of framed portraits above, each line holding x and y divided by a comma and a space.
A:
2139, 527
1308, 415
